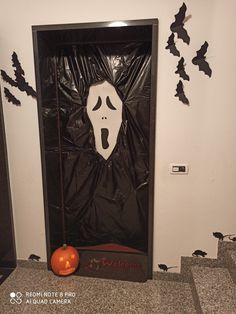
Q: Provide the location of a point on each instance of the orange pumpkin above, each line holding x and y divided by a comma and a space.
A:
65, 260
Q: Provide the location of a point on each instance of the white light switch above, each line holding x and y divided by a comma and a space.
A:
178, 168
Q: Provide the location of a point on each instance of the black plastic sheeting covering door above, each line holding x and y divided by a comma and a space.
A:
94, 200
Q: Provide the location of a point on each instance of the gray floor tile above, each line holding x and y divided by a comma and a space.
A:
95, 295
216, 290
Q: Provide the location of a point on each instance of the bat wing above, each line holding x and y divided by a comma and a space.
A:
180, 16
200, 60
201, 52
173, 50
181, 70
30, 91
180, 93
16, 64
25, 87
20, 80
170, 40
11, 98
171, 46
184, 75
181, 63
178, 25
8, 79
182, 34
204, 67
184, 99
179, 88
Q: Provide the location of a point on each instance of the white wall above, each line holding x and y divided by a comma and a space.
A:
187, 208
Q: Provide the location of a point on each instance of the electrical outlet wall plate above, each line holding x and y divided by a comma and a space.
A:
178, 168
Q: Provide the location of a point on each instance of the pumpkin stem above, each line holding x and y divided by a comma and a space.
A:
64, 246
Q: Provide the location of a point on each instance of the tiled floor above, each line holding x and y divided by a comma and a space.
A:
89, 295
216, 290
233, 256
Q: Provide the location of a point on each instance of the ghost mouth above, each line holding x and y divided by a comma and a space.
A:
104, 137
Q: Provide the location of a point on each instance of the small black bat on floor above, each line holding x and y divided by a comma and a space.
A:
178, 25
181, 70
34, 257
232, 239
165, 268
198, 253
220, 235
11, 98
200, 60
171, 46
180, 93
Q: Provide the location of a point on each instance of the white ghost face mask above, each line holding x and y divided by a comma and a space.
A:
104, 108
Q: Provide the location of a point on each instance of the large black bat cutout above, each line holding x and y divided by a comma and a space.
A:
11, 98
200, 60
178, 25
180, 93
181, 70
19, 81
171, 46
19, 74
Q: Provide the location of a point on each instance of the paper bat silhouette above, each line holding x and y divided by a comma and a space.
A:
220, 235
178, 25
200, 60
19, 74
171, 46
16, 64
181, 70
180, 93
198, 253
19, 81
11, 98
8, 79
164, 267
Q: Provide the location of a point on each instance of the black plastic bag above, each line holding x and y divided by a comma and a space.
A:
105, 200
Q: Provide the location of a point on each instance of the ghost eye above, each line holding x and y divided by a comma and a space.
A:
98, 104
109, 104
